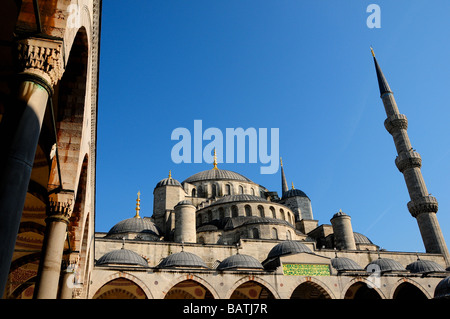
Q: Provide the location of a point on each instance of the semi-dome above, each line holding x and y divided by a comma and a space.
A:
424, 266
216, 174
239, 198
345, 264
134, 225
385, 265
182, 259
443, 289
361, 239
239, 261
122, 256
185, 202
293, 193
288, 247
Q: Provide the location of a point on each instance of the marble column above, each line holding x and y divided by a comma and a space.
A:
41, 66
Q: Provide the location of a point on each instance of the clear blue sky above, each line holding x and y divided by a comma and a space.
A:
301, 66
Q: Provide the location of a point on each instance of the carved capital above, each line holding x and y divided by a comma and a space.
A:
396, 122
425, 204
60, 206
407, 160
42, 58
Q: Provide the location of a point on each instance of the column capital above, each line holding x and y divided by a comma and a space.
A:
42, 58
60, 206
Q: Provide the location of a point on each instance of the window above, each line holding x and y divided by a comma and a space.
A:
228, 189
194, 191
241, 190
274, 233
288, 235
261, 211
234, 211
214, 190
282, 214
274, 215
253, 191
221, 213
248, 210
255, 233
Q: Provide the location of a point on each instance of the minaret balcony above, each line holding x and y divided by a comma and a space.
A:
407, 160
425, 204
396, 122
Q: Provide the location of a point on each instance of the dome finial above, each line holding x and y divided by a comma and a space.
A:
138, 205
170, 173
215, 160
292, 183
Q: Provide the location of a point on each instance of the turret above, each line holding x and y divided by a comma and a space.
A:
343, 231
185, 228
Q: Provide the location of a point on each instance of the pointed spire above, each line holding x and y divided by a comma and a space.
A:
215, 160
284, 185
382, 83
138, 205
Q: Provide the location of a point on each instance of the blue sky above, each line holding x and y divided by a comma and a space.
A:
304, 67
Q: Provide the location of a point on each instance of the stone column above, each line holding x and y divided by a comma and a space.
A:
41, 66
185, 230
58, 214
69, 278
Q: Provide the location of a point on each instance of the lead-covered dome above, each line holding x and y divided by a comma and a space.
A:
216, 174
123, 257
345, 264
288, 247
293, 193
443, 289
143, 226
168, 182
182, 259
239, 198
239, 261
385, 265
424, 266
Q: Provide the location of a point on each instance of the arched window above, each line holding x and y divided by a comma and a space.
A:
248, 210
288, 235
194, 192
228, 189
274, 233
200, 191
274, 215
282, 214
209, 216
261, 211
252, 191
214, 190
221, 213
255, 233
234, 211
241, 189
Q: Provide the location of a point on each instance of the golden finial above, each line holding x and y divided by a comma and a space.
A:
281, 161
292, 185
170, 173
371, 50
215, 160
138, 205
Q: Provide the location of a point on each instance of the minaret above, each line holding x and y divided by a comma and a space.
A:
422, 206
138, 205
284, 185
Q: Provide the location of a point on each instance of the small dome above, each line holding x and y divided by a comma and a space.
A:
208, 227
386, 264
240, 261
185, 202
122, 256
134, 225
424, 266
339, 214
216, 174
168, 182
443, 289
361, 239
288, 247
292, 193
343, 264
182, 259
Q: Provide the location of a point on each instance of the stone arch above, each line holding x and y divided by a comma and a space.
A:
69, 112
261, 211
188, 287
360, 288
25, 276
311, 288
96, 289
408, 289
234, 211
251, 280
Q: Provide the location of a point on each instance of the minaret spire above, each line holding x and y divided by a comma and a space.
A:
422, 205
215, 160
284, 184
138, 205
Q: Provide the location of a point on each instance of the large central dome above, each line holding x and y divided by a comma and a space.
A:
216, 174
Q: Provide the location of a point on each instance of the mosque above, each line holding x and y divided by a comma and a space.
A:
215, 235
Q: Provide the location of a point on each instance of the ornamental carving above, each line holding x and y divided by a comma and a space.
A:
407, 160
396, 122
41, 57
425, 204
60, 206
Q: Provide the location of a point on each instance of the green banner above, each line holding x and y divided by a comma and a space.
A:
306, 270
